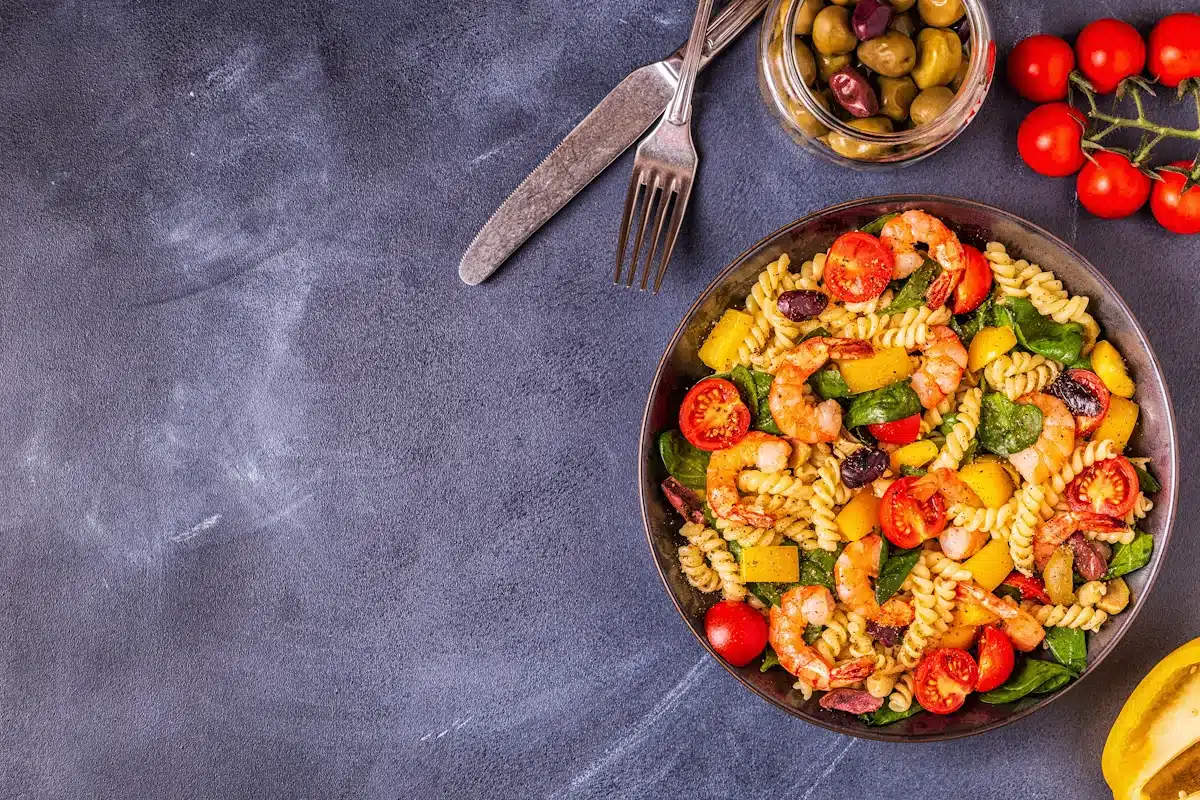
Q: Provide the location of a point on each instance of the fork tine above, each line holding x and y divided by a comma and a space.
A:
681, 202
652, 192
664, 205
631, 196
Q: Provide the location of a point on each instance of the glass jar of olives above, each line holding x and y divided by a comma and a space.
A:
875, 84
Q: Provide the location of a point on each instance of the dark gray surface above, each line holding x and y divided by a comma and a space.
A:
291, 512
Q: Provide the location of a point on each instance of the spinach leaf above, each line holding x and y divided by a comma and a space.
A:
687, 464
967, 325
770, 659
828, 383
1032, 677
815, 332
885, 715
907, 471
912, 294
735, 547
812, 633
1006, 427
1147, 482
970, 453
769, 593
1128, 557
883, 552
1069, 647
763, 420
948, 423
741, 377
892, 402
1042, 335
875, 226
893, 573
710, 519
1083, 362
816, 568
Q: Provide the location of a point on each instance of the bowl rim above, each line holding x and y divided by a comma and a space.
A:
1168, 507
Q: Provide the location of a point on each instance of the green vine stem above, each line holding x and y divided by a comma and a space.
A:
1153, 132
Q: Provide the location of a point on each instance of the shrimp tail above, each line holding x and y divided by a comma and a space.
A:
851, 672
850, 349
940, 289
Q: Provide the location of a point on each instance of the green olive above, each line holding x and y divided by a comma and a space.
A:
929, 104
845, 2
827, 65
961, 75
901, 6
895, 96
806, 62
850, 147
940, 13
804, 16
939, 54
905, 23
806, 121
892, 54
831, 33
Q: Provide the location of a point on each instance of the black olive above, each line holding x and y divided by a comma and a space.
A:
1077, 397
801, 304
863, 466
963, 29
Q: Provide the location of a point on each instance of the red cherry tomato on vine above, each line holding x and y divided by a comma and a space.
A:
713, 416
736, 631
996, 659
1108, 51
1111, 187
975, 285
1038, 68
1048, 140
902, 431
1175, 210
1175, 49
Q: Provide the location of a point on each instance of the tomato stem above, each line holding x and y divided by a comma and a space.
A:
1152, 132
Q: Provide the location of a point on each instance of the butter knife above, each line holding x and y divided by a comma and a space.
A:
606, 132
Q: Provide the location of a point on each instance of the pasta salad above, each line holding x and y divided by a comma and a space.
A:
906, 480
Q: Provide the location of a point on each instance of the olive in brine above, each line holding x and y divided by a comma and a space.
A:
805, 61
863, 466
939, 55
801, 304
805, 15
895, 97
940, 13
853, 92
929, 104
870, 19
902, 5
904, 23
846, 145
957, 81
892, 54
806, 121
831, 33
827, 65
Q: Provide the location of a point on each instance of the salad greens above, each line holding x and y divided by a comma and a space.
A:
875, 226
770, 659
812, 633
1033, 676
816, 568
912, 293
967, 325
894, 571
1042, 335
1146, 481
828, 383
1069, 647
892, 402
687, 464
885, 715
1129, 557
755, 389
907, 471
1006, 427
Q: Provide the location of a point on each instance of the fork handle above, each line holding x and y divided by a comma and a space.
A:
679, 110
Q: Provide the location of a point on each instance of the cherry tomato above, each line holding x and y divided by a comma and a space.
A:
713, 415
1108, 51
736, 631
902, 431
1107, 487
996, 659
1175, 210
944, 678
907, 521
1048, 140
1175, 49
1089, 380
1111, 187
858, 268
1031, 587
1038, 68
976, 282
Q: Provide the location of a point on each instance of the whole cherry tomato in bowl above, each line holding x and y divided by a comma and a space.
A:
1175, 49
1039, 67
1109, 51
1049, 140
1176, 210
736, 631
1111, 187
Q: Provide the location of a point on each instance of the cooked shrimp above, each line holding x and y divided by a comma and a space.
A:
762, 450
896, 613
1056, 530
901, 234
1054, 446
946, 483
962, 543
942, 365
852, 574
798, 608
1021, 626
794, 411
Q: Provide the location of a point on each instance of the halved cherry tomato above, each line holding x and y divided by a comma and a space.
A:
944, 678
1107, 487
1031, 587
713, 415
907, 521
1108, 51
1091, 381
902, 431
736, 631
1175, 49
976, 282
858, 267
996, 659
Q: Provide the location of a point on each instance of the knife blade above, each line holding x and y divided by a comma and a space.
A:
607, 131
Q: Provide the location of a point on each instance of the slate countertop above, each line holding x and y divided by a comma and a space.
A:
292, 512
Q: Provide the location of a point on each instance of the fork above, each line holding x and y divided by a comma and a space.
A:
664, 168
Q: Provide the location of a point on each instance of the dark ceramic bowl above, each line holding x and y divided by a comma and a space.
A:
977, 224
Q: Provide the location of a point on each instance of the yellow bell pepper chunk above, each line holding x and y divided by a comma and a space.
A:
1118, 423
773, 564
859, 517
991, 565
1110, 367
962, 637
970, 613
720, 349
1153, 749
888, 365
988, 345
916, 454
989, 480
